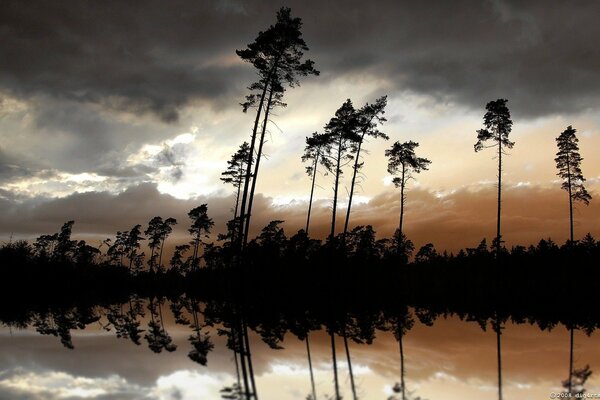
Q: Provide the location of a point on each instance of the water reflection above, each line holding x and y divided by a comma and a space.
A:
401, 353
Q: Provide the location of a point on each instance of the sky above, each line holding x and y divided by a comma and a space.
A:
113, 112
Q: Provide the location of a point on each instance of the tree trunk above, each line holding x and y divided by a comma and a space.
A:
242, 351
312, 190
249, 167
256, 166
335, 188
356, 162
349, 360
402, 186
251, 152
310, 368
571, 362
499, 354
335, 371
162, 245
498, 236
249, 357
402, 383
570, 197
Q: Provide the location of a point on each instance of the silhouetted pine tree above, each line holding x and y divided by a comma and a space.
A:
568, 163
316, 147
277, 54
369, 116
403, 160
498, 125
234, 174
201, 225
341, 133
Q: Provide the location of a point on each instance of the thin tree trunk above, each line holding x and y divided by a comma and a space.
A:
151, 258
335, 371
402, 383
498, 244
249, 357
402, 186
161, 252
570, 197
242, 351
256, 166
335, 189
571, 362
312, 190
249, 166
251, 152
349, 360
356, 162
310, 368
499, 354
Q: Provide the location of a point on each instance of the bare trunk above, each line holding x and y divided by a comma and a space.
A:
499, 355
349, 360
571, 362
249, 357
402, 186
256, 166
356, 162
162, 245
242, 351
402, 383
312, 190
335, 189
310, 368
498, 236
335, 371
570, 197
249, 166
251, 152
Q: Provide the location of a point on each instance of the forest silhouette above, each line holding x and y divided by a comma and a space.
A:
275, 284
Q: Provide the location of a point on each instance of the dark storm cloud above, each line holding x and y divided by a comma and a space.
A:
161, 56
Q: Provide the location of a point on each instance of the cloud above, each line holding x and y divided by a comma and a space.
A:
451, 221
160, 58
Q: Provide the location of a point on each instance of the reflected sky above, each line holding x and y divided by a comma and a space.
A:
452, 360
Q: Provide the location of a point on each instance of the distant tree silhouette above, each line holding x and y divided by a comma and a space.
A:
234, 175
154, 239
314, 153
131, 245
277, 55
65, 247
402, 160
498, 125
341, 133
426, 253
568, 162
201, 225
369, 116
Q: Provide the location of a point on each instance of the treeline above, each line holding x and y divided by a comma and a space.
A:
356, 262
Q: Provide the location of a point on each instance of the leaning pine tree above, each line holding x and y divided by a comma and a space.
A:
277, 55
369, 117
498, 125
568, 163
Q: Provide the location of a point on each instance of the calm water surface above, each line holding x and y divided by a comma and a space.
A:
450, 360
